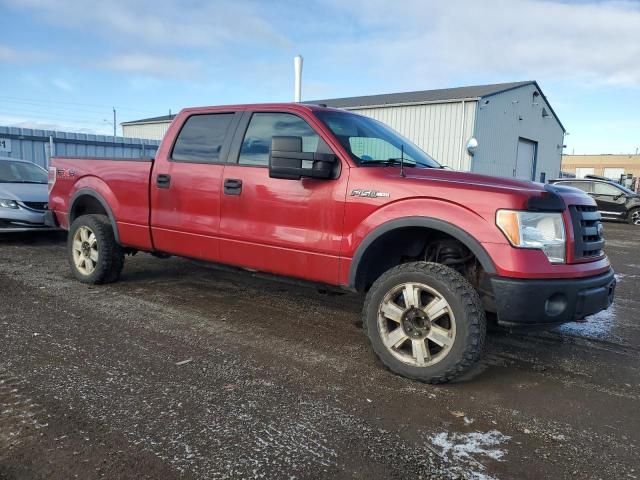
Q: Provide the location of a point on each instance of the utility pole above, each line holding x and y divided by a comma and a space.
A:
114, 121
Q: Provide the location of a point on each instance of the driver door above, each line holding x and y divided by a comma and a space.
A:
610, 199
286, 227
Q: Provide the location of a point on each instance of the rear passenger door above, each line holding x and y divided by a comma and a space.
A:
186, 186
288, 227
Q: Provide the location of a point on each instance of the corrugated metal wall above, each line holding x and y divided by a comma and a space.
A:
436, 128
34, 145
154, 131
508, 116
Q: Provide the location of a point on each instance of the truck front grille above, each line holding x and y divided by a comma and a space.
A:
587, 231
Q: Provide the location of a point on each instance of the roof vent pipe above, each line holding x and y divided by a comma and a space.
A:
297, 66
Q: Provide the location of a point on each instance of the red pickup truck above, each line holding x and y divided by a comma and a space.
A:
330, 196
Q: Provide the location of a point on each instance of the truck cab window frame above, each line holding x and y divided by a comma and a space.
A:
262, 144
211, 152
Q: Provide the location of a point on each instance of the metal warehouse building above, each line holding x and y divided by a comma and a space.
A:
38, 146
517, 131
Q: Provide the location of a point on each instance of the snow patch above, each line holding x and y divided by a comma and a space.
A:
465, 448
595, 326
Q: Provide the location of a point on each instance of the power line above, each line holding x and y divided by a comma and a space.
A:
41, 101
26, 112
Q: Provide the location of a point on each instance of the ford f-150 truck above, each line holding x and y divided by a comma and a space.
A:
329, 196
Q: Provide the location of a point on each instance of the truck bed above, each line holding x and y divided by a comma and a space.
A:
123, 183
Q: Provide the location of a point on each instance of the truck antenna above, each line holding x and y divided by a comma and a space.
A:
402, 161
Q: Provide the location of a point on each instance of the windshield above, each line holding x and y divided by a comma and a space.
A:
626, 190
21, 172
370, 142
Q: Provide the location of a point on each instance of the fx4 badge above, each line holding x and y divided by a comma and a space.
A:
368, 193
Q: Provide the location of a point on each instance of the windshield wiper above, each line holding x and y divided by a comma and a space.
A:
389, 161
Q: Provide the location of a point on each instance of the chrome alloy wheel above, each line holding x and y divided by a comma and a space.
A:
85, 250
635, 217
416, 324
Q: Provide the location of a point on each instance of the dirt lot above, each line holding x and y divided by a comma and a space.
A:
279, 382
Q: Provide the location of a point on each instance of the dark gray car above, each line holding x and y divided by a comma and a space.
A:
614, 201
23, 196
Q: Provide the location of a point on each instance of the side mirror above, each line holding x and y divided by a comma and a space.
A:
288, 161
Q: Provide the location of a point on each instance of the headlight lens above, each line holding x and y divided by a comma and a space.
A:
539, 230
5, 203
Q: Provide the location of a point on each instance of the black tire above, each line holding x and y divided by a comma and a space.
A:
633, 217
464, 303
110, 260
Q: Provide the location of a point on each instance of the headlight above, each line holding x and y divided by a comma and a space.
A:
8, 203
539, 230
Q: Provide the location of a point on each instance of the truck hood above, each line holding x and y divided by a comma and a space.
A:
24, 192
418, 181
465, 178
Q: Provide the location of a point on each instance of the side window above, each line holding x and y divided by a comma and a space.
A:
257, 140
201, 138
600, 188
585, 186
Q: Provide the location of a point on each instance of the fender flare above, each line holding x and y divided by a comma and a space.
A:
427, 222
92, 193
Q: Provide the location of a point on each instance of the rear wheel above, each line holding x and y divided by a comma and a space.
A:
425, 321
634, 217
94, 255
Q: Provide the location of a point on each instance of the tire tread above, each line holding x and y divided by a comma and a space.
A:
471, 303
111, 254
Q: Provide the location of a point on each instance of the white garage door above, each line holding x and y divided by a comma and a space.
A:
613, 173
582, 172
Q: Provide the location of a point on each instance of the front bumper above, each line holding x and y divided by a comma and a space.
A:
527, 302
22, 220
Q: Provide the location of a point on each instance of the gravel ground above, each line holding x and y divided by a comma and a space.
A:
182, 370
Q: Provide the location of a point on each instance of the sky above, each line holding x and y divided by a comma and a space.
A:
66, 63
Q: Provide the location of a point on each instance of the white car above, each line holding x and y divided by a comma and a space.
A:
23, 196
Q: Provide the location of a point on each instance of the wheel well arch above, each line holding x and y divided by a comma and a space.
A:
387, 244
86, 202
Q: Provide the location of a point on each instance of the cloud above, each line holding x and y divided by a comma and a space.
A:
584, 42
10, 54
163, 22
62, 84
7, 54
152, 65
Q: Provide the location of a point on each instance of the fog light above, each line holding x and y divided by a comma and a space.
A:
555, 305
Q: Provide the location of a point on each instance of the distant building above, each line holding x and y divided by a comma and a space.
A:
518, 133
610, 166
153, 128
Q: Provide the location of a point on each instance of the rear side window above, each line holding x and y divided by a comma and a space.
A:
585, 186
201, 138
263, 126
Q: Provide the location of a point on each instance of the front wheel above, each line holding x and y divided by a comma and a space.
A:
94, 255
425, 321
634, 217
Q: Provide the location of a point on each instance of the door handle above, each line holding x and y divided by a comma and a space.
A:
232, 186
163, 180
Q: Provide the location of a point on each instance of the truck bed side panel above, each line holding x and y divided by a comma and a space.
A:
123, 184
